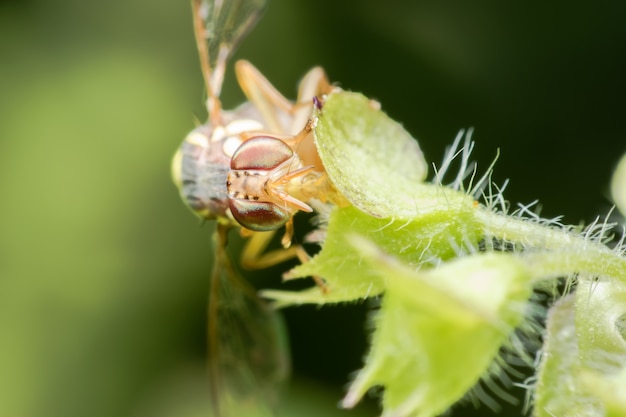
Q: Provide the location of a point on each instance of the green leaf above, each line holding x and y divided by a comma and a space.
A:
425, 239
369, 157
599, 307
557, 391
610, 390
618, 186
600, 314
584, 358
430, 320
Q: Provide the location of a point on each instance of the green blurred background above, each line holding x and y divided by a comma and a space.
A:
103, 271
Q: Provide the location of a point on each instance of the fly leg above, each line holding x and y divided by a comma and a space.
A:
271, 103
266, 98
254, 256
314, 84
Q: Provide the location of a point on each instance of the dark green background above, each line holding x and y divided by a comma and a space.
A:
103, 271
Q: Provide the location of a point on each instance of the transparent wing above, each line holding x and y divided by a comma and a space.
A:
219, 26
248, 353
227, 22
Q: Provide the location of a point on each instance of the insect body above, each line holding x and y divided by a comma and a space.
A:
254, 166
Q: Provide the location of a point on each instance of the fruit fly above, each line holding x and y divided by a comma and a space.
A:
253, 167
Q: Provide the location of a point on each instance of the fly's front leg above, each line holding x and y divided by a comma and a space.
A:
271, 103
265, 97
304, 257
314, 84
253, 256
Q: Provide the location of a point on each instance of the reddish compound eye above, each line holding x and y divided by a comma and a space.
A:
259, 216
260, 153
